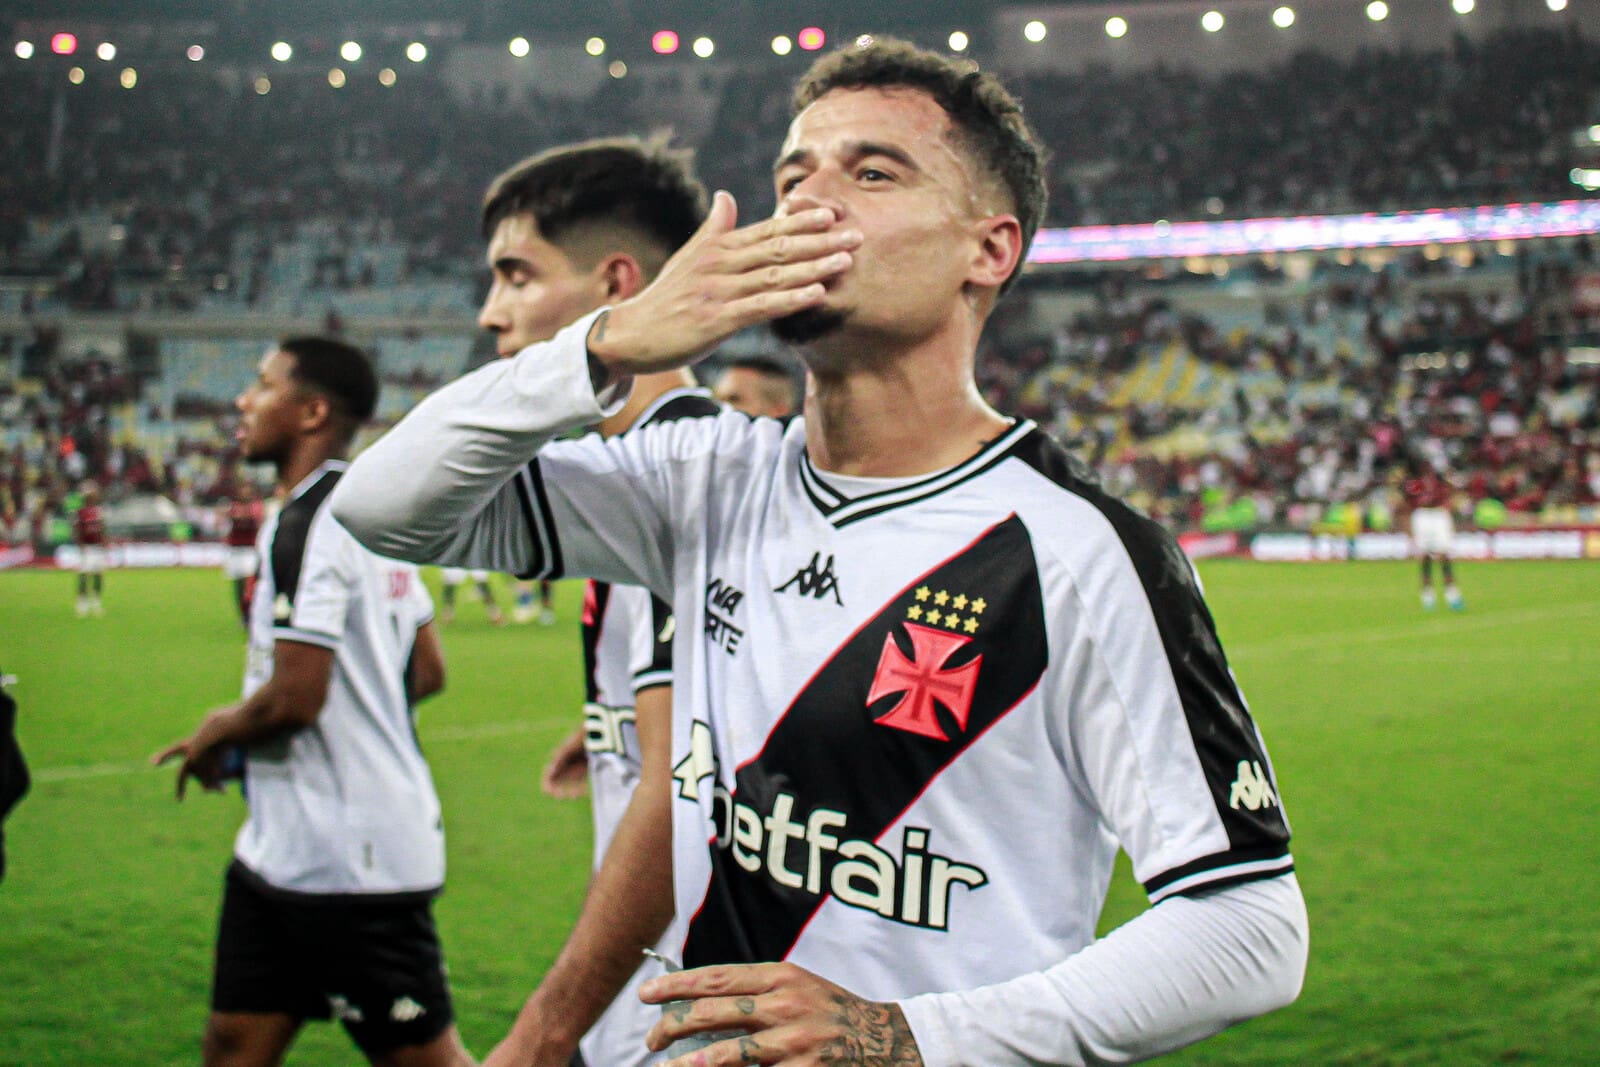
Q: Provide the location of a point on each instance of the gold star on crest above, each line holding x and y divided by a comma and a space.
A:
960, 602
952, 621
933, 617
941, 598
978, 606
971, 626
923, 592
913, 612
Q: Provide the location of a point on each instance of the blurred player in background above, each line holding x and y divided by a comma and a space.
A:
1433, 530
451, 579
89, 534
327, 908
570, 230
523, 610
757, 385
246, 512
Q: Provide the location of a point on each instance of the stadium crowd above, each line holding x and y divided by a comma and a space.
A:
1303, 412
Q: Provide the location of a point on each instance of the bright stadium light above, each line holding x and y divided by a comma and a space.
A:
959, 41
1283, 17
519, 47
282, 52
350, 52
781, 45
195, 53
617, 69
263, 86
1463, 7
106, 52
75, 75
336, 78
1556, 5
664, 42
1212, 21
1377, 11
24, 50
129, 77
1116, 27
1034, 31
811, 38
704, 47
64, 44
416, 51
387, 77
1594, 133
595, 46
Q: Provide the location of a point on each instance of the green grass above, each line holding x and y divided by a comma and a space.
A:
1440, 771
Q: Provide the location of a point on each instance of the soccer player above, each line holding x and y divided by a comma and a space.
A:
327, 908
245, 515
89, 534
1433, 531
451, 579
523, 611
570, 230
756, 385
929, 676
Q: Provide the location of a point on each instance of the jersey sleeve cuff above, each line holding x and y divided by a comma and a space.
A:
650, 679
1218, 870
305, 637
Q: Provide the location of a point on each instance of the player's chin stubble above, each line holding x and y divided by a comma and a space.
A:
806, 326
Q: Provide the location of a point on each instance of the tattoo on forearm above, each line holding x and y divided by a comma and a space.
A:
874, 1035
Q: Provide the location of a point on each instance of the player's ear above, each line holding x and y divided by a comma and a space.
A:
620, 277
316, 413
996, 251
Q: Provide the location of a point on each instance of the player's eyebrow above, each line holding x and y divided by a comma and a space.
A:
508, 264
854, 151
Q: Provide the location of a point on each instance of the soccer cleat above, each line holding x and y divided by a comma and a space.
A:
1428, 600
1454, 599
83, 608
547, 617
522, 614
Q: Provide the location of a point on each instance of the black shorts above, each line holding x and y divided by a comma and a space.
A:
372, 962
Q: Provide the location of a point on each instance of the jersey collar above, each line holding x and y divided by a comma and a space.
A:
337, 466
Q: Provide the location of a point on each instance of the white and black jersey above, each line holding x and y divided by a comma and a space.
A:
913, 718
345, 805
627, 648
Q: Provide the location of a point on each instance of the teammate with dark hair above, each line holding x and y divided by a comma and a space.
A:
756, 385
929, 676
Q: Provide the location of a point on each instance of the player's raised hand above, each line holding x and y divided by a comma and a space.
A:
791, 1017
721, 281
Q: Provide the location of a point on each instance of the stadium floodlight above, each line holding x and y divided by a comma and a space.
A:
959, 41
1463, 7
519, 47
617, 69
811, 38
1212, 21
1594, 134
704, 46
387, 77
1116, 27
416, 51
1556, 5
1034, 31
1377, 11
129, 77
350, 52
664, 42
75, 75
195, 53
781, 45
24, 49
1283, 17
282, 52
64, 44
263, 86
595, 46
336, 78
106, 51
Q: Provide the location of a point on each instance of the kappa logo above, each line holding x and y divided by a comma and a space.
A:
1251, 788
406, 1010
701, 762
816, 580
923, 680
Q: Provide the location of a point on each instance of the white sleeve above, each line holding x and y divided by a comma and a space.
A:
1179, 972
443, 485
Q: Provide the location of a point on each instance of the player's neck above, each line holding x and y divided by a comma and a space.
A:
897, 418
647, 389
305, 456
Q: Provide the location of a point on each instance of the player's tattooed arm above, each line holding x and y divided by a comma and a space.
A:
871, 1035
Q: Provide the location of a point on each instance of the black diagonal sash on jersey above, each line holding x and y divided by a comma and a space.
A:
900, 700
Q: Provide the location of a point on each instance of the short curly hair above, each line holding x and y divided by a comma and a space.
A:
989, 124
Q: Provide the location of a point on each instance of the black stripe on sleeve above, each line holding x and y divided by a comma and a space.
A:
541, 525
1225, 737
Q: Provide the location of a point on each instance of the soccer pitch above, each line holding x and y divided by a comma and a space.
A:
1440, 772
